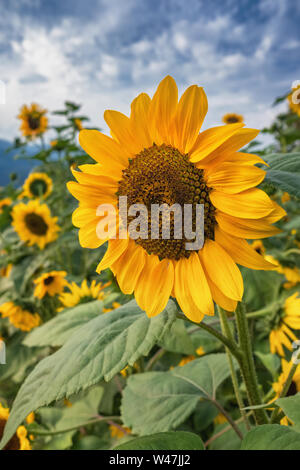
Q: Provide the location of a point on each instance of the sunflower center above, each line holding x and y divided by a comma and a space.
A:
34, 121
13, 443
38, 187
232, 119
48, 280
36, 224
163, 175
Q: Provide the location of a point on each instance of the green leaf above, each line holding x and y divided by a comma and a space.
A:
179, 440
58, 330
99, 349
177, 339
229, 440
291, 408
161, 401
271, 437
284, 172
270, 361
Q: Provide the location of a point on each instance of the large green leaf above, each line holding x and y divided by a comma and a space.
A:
99, 349
58, 330
271, 437
291, 407
161, 401
284, 172
177, 339
172, 440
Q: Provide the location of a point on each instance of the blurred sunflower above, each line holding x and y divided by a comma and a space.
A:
7, 201
19, 318
295, 385
292, 275
158, 156
19, 440
37, 185
282, 335
232, 118
294, 96
34, 224
33, 120
50, 283
82, 294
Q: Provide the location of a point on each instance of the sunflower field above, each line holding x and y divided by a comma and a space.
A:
113, 343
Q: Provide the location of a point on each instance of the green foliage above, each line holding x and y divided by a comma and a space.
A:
179, 440
271, 437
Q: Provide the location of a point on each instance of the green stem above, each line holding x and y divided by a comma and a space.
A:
229, 418
230, 345
227, 332
247, 365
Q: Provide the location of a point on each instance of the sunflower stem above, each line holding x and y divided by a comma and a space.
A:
247, 365
229, 344
227, 332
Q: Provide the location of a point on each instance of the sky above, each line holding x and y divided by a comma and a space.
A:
102, 53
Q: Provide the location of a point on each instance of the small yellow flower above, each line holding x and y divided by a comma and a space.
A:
30, 418
283, 335
37, 185
185, 360
19, 440
51, 283
118, 432
200, 351
294, 96
294, 231
81, 294
114, 306
220, 419
33, 121
285, 198
7, 201
34, 224
123, 372
232, 118
19, 318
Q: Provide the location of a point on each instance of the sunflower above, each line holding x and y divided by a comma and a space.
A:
232, 118
33, 120
158, 156
292, 98
34, 224
50, 283
6, 202
292, 275
82, 294
282, 335
37, 185
19, 440
19, 318
295, 385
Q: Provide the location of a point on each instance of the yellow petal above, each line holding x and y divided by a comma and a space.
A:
159, 287
106, 168
140, 119
224, 302
91, 195
100, 181
191, 111
234, 179
250, 204
83, 215
88, 237
102, 148
241, 252
115, 249
246, 228
242, 158
222, 270
142, 284
162, 111
211, 139
129, 266
121, 130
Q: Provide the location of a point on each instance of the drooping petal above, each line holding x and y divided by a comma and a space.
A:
115, 249
191, 111
224, 302
241, 252
222, 270
129, 267
234, 179
141, 286
159, 287
250, 204
211, 139
103, 148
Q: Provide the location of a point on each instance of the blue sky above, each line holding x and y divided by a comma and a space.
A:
102, 53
